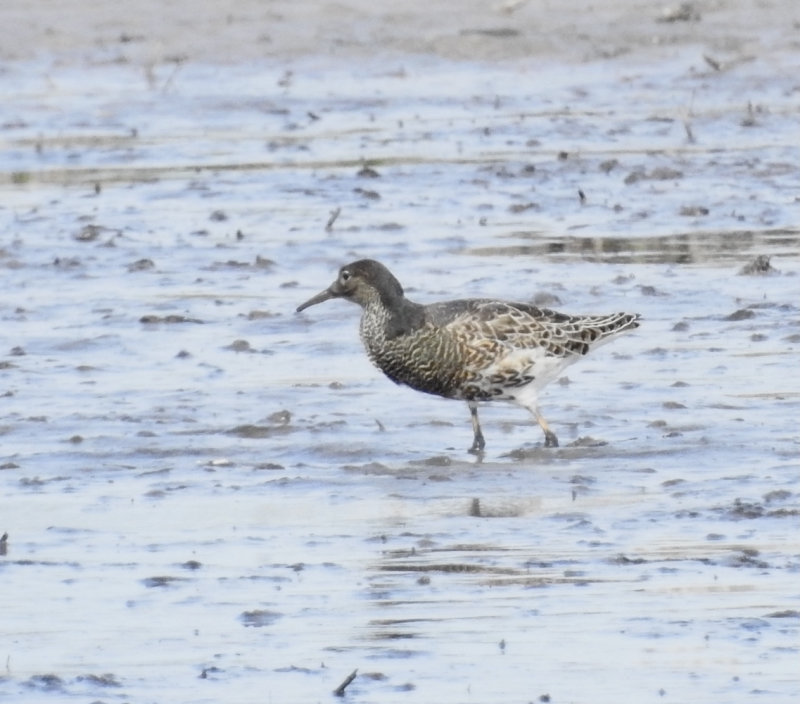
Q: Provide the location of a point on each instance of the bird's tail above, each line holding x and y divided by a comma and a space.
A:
586, 332
614, 324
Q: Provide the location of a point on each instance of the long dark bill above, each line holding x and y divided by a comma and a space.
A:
322, 296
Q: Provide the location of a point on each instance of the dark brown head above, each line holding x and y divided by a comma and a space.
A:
362, 282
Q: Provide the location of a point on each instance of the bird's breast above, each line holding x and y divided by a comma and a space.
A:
424, 358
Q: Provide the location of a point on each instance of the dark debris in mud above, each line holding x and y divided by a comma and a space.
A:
239, 346
167, 319
521, 454
741, 314
435, 461
259, 432
662, 173
89, 233
268, 466
587, 441
301, 670
449, 568
262, 315
141, 265
746, 510
693, 211
258, 618
494, 509
747, 558
777, 495
680, 12
53, 683
760, 266
105, 680
46, 683
787, 613
207, 672
624, 560
162, 581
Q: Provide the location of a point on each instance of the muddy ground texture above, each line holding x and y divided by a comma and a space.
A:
207, 497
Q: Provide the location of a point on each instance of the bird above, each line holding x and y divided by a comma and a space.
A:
472, 349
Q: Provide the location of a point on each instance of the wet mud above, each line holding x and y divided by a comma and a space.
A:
207, 497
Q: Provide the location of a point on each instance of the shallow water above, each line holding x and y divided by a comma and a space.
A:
210, 498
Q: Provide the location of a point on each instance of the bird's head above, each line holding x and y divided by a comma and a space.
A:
364, 282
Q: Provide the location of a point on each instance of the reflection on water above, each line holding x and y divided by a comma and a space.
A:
719, 247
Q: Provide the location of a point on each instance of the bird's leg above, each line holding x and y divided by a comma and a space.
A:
550, 439
478, 443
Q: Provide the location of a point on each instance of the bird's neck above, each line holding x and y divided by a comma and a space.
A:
392, 319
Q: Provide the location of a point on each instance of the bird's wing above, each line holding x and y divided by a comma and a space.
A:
516, 326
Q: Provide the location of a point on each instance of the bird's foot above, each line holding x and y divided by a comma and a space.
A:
477, 446
550, 439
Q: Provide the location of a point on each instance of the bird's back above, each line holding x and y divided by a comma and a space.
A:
483, 349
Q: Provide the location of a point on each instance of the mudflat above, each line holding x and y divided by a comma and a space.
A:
208, 497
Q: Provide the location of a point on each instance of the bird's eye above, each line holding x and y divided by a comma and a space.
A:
345, 275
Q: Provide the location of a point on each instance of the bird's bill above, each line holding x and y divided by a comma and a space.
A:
321, 297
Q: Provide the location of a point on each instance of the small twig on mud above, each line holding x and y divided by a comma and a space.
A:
339, 691
179, 61
332, 219
689, 133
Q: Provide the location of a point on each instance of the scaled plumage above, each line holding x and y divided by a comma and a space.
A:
470, 349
